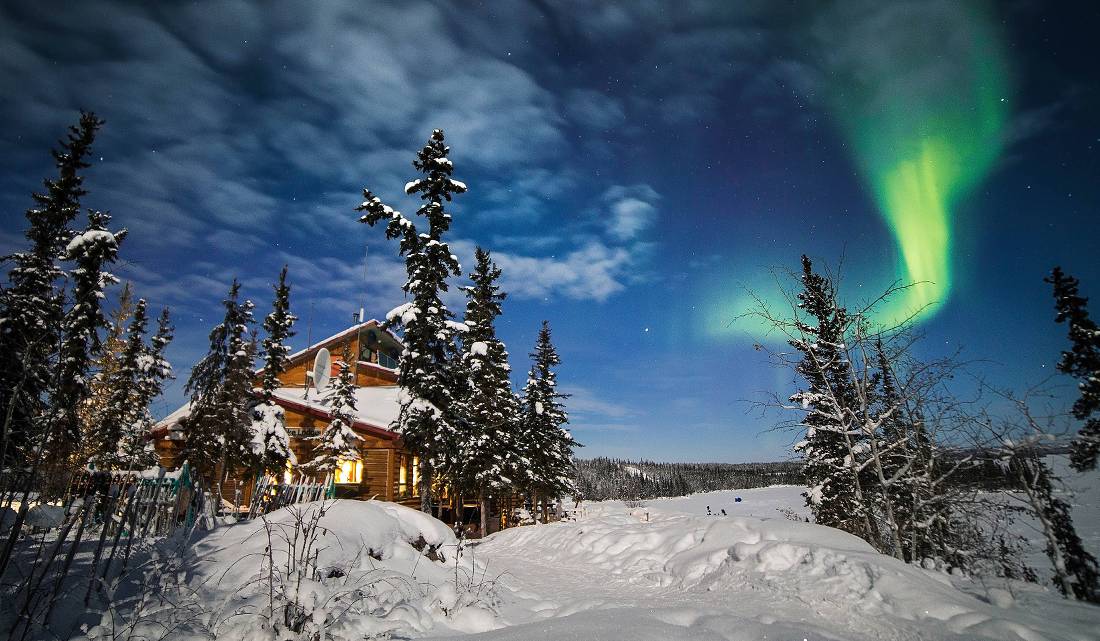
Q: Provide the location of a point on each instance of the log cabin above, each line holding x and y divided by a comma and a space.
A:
386, 469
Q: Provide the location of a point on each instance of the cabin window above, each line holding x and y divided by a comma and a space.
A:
288, 474
403, 476
415, 474
378, 358
349, 471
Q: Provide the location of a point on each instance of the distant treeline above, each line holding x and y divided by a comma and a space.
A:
601, 479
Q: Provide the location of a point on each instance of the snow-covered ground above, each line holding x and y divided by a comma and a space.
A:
660, 570
666, 571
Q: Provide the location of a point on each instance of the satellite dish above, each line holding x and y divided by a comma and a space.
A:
322, 368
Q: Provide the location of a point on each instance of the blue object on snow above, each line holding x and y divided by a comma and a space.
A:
737, 500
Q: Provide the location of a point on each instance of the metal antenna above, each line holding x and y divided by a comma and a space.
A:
309, 342
363, 293
362, 307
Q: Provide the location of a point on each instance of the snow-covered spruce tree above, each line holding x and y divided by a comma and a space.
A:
91, 251
153, 370
31, 307
338, 441
1082, 362
424, 371
217, 430
106, 364
547, 446
487, 406
113, 426
120, 429
270, 441
832, 470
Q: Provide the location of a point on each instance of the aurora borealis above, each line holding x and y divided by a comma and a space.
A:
925, 121
636, 167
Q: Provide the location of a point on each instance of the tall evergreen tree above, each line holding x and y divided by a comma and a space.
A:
270, 441
1082, 361
114, 426
278, 325
426, 420
217, 430
338, 441
488, 407
546, 444
120, 430
31, 307
153, 370
835, 495
106, 366
92, 252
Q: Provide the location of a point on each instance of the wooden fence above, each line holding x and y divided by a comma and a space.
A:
72, 548
268, 494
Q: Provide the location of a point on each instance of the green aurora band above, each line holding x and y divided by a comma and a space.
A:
925, 121
919, 91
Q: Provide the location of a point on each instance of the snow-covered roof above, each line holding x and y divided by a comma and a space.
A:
173, 418
375, 406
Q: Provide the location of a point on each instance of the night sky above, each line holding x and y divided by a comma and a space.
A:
632, 166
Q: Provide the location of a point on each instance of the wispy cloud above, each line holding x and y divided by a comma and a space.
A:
584, 402
632, 210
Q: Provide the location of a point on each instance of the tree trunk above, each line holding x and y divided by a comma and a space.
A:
1038, 504
425, 487
483, 510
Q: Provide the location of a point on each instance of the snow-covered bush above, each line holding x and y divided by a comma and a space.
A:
297, 594
323, 571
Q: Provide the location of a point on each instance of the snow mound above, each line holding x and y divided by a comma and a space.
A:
371, 569
804, 576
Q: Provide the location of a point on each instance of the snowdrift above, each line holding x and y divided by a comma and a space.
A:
697, 577
338, 570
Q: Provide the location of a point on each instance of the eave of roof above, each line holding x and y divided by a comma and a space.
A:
161, 429
347, 332
317, 412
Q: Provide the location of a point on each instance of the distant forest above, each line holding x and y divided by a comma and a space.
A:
600, 479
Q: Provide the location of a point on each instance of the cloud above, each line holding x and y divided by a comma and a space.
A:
584, 402
593, 109
585, 426
241, 136
526, 198
632, 210
594, 271
211, 127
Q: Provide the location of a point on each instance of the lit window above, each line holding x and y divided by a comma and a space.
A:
349, 471
416, 473
288, 474
403, 476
